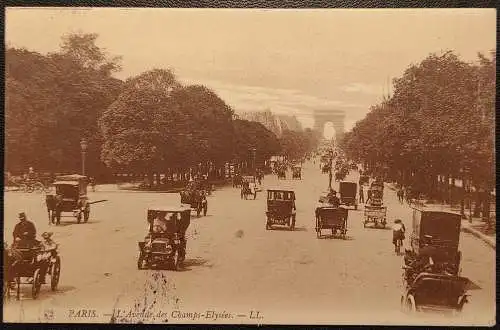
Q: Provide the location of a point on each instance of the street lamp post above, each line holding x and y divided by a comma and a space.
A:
83, 146
254, 152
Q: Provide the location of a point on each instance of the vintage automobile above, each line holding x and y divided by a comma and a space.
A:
439, 229
195, 199
164, 249
70, 196
330, 217
376, 215
435, 292
25, 264
281, 208
249, 186
348, 192
297, 172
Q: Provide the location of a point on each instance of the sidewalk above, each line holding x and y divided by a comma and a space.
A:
477, 227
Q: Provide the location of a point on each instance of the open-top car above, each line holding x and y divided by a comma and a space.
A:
348, 192
70, 196
30, 264
435, 293
281, 208
164, 246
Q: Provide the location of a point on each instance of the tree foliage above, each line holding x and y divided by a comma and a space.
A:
439, 121
49, 97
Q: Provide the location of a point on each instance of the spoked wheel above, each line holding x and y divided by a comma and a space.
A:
23, 187
37, 283
318, 232
140, 261
18, 288
410, 305
86, 214
79, 217
55, 274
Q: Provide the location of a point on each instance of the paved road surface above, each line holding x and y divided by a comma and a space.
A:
237, 272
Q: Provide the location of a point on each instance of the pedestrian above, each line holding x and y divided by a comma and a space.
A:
361, 194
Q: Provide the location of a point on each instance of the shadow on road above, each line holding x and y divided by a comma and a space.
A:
198, 262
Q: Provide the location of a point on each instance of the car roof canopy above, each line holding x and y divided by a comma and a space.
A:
168, 208
66, 183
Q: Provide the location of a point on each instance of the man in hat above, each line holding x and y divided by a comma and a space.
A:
333, 199
398, 232
24, 230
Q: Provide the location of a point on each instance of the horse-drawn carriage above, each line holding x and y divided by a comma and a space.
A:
248, 187
164, 248
196, 199
432, 265
297, 172
348, 192
30, 264
281, 208
70, 196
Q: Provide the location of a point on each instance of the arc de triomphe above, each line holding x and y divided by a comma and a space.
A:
336, 117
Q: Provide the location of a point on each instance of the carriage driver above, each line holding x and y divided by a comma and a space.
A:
332, 198
24, 231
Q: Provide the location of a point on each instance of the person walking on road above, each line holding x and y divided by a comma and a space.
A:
361, 194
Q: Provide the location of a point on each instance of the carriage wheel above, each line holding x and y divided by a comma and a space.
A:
18, 288
55, 274
79, 217
255, 195
23, 188
86, 214
318, 233
410, 304
140, 261
37, 283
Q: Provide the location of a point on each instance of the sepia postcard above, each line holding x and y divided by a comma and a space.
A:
250, 166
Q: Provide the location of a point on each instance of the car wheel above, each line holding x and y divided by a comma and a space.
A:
86, 214
37, 283
55, 274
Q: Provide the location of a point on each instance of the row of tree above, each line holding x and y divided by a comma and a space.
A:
148, 123
437, 126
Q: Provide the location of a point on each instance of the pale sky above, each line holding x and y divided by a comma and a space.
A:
290, 61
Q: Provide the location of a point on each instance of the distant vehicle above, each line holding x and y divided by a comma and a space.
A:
281, 208
297, 172
332, 218
196, 199
70, 196
164, 249
348, 192
248, 187
432, 266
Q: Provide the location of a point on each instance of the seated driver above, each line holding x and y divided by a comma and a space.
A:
160, 223
333, 199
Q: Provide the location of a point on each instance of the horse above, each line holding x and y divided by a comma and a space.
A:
53, 202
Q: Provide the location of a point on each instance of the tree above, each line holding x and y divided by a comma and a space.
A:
250, 134
436, 123
48, 97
